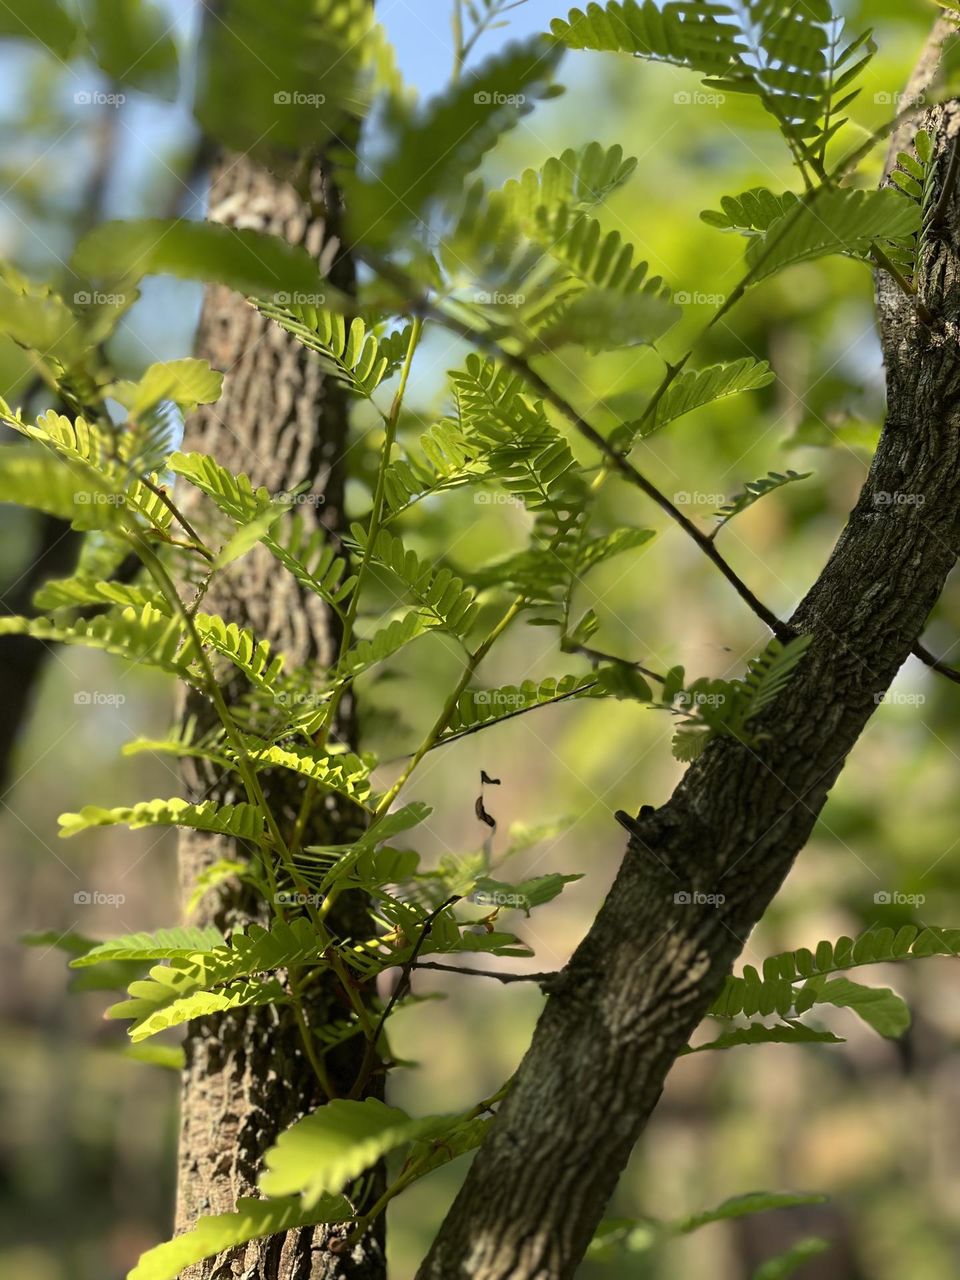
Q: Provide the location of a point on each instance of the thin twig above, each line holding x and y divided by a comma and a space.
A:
539, 978
399, 991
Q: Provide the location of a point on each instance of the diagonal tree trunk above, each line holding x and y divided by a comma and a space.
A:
282, 421
650, 966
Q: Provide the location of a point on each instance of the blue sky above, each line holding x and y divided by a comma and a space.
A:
421, 32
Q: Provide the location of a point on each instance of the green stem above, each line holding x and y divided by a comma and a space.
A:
373, 529
449, 706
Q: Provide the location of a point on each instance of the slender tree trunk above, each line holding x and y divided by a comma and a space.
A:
282, 421
650, 966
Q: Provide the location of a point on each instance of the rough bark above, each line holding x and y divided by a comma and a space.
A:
650, 966
283, 422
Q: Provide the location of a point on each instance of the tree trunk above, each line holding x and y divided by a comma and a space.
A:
651, 964
282, 421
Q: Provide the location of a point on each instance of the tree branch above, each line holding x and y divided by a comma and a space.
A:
700, 872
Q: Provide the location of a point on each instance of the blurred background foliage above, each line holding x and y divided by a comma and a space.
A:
87, 1143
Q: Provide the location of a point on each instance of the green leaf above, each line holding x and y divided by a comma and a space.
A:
172, 1057
248, 536
143, 637
698, 387
165, 944
429, 152
251, 262
350, 352
438, 591
845, 222
743, 1206
186, 382
879, 1007
336, 1143
36, 318
45, 21
698, 36
754, 210
787, 1263
768, 675
520, 897
486, 706
299, 68
252, 1220
758, 1033
243, 821
132, 43
754, 490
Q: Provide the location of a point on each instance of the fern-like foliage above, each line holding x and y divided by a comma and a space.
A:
528, 457
695, 388
252, 1220
755, 210
439, 592
304, 553
166, 944
144, 637
243, 821
835, 222
350, 352
697, 36
754, 490
251, 656
486, 706
430, 151
218, 977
